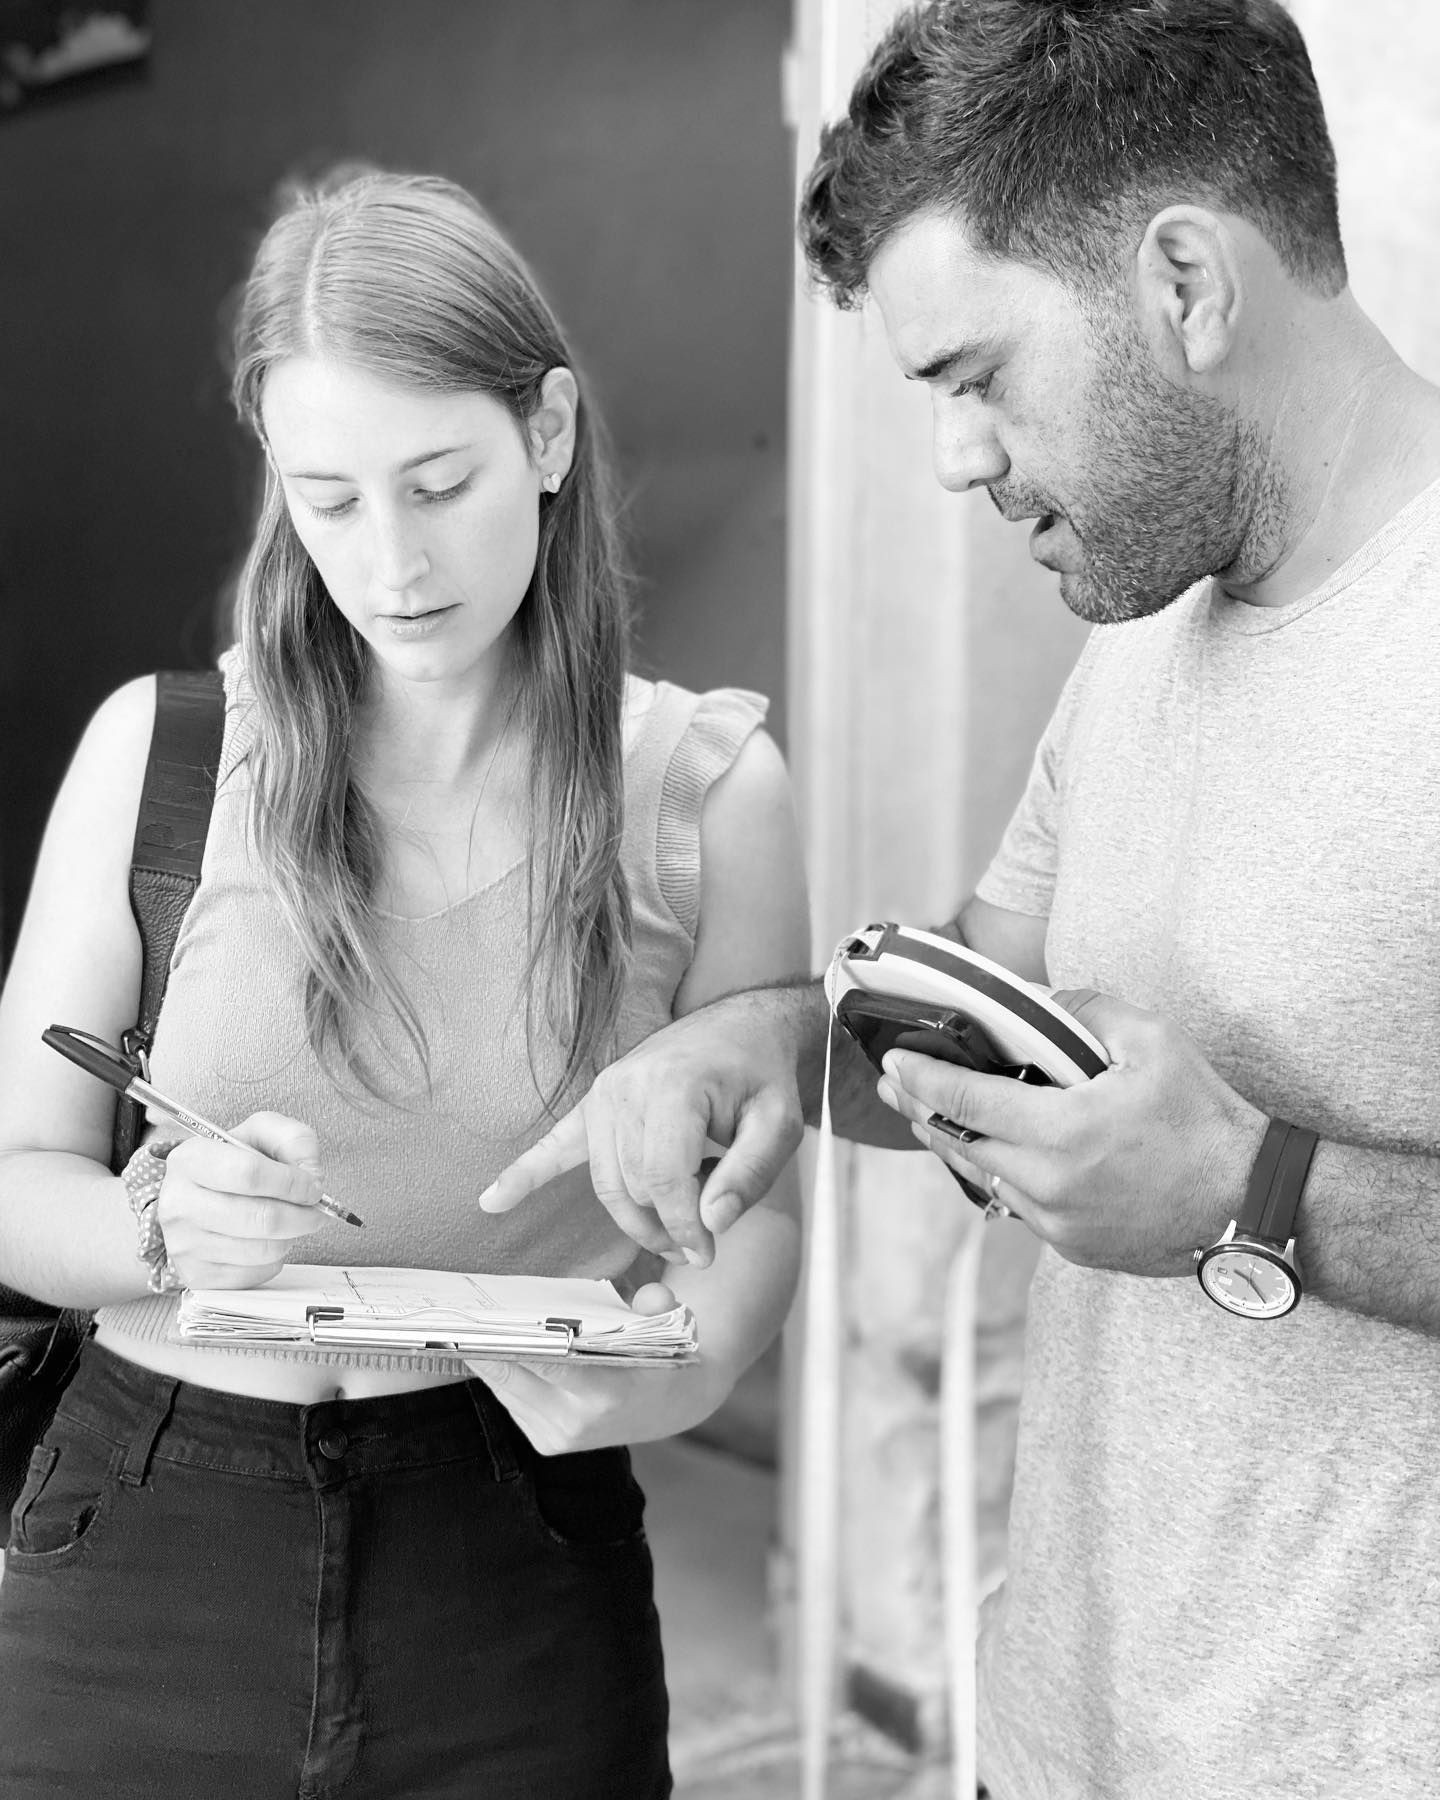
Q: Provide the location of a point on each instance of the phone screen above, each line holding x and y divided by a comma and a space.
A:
880, 1024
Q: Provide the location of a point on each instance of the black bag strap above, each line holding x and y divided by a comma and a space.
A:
170, 834
170, 831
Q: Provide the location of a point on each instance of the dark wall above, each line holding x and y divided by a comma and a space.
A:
632, 148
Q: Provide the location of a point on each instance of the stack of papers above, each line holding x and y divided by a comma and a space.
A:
425, 1310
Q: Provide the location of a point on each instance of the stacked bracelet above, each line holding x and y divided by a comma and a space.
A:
142, 1178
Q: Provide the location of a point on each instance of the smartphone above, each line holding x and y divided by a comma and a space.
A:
880, 1024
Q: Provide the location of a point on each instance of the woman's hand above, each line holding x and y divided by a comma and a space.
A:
564, 1406
230, 1216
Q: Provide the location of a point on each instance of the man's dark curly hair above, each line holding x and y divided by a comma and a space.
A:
1055, 129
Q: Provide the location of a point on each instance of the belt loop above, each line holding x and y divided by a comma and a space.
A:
496, 1427
142, 1443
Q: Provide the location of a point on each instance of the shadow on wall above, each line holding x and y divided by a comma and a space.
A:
713, 528
635, 153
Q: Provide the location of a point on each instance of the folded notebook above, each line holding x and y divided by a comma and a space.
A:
422, 1310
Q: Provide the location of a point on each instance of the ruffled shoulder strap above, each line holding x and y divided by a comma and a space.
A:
679, 745
239, 711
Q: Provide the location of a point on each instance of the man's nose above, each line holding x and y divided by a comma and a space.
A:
399, 554
967, 452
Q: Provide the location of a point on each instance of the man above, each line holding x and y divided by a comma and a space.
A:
1105, 236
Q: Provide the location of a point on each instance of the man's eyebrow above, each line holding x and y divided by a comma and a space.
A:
413, 462
956, 356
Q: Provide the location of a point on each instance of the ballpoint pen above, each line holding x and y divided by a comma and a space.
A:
98, 1058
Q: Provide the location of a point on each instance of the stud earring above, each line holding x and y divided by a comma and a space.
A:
551, 482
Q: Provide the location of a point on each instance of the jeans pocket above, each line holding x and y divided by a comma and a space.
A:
65, 1490
588, 1500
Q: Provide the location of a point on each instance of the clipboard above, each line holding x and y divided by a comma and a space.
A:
424, 1311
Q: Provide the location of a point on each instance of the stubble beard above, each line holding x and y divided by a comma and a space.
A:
1177, 487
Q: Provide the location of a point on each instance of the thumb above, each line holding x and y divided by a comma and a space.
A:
654, 1298
1102, 1015
564, 1146
290, 1142
767, 1136
286, 1140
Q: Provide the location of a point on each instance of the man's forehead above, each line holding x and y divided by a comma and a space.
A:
940, 300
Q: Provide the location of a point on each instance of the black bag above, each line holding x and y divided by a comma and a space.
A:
40, 1345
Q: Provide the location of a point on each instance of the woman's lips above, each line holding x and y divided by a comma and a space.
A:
416, 625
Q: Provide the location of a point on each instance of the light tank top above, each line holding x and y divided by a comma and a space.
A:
231, 1037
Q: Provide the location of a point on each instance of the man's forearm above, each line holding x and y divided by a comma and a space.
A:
803, 1013
1369, 1233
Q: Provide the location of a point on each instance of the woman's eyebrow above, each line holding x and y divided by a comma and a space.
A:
404, 468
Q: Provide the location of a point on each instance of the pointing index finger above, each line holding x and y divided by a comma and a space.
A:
563, 1147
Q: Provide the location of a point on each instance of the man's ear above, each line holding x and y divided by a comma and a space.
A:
1190, 284
550, 429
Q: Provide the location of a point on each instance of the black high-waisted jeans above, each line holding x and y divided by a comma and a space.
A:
210, 1596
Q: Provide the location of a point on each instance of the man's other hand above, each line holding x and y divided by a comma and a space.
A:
1132, 1170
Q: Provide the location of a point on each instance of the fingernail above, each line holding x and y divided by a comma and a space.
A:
721, 1212
886, 1093
673, 1256
696, 1260
488, 1196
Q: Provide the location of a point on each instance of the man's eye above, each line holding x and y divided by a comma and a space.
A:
979, 387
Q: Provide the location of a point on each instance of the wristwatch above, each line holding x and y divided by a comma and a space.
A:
1253, 1270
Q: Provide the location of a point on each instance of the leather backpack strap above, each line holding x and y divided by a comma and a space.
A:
170, 832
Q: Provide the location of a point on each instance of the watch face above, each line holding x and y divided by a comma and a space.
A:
1249, 1282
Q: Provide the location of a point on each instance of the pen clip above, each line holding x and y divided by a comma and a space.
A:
135, 1048
92, 1054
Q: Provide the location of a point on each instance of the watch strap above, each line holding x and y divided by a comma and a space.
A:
1277, 1181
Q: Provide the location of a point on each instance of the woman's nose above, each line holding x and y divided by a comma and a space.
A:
399, 554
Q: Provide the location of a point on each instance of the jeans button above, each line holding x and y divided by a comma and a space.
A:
333, 1443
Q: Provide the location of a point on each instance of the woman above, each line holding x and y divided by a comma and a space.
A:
458, 860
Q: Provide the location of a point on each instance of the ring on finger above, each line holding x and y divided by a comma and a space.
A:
997, 1209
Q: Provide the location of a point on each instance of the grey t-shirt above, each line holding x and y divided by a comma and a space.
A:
1224, 1574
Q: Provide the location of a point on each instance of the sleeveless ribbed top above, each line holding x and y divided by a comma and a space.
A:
231, 1037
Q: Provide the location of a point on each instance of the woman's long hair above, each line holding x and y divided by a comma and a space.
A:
406, 278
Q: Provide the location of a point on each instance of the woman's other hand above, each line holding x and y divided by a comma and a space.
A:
566, 1406
230, 1215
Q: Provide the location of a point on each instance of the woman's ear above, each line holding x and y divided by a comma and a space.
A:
550, 429
1190, 284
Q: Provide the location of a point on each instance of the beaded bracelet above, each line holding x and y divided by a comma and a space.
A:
143, 1177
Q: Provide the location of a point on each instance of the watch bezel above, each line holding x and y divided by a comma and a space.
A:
1233, 1244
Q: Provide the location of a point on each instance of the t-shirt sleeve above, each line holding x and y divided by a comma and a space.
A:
721, 722
1021, 875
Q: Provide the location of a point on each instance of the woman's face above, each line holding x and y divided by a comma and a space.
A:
420, 511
